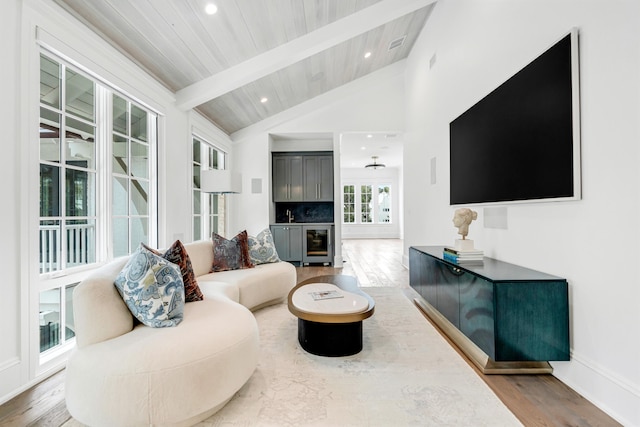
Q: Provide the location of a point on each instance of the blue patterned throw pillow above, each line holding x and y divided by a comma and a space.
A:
152, 288
262, 250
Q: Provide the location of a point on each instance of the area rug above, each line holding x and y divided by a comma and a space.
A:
406, 375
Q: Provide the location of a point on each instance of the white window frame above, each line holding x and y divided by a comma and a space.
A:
375, 214
62, 279
206, 215
354, 204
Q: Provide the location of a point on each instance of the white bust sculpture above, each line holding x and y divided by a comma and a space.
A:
462, 218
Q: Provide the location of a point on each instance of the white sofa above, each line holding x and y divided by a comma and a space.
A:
128, 374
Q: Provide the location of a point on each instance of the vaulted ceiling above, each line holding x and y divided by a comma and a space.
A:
255, 58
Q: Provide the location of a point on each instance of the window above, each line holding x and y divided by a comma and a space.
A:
349, 204
366, 196
359, 206
384, 203
67, 168
95, 152
208, 209
130, 176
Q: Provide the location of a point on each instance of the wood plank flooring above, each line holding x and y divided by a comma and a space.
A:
537, 400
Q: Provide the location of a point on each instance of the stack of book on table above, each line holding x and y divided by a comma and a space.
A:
468, 257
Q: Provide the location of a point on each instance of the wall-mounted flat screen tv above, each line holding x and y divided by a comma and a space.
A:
521, 143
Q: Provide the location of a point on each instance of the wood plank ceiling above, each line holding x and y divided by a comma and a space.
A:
287, 51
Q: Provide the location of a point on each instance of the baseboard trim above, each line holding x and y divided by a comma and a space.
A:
614, 395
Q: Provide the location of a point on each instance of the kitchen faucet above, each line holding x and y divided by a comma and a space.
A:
289, 216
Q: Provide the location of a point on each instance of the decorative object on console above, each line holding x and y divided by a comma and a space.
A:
467, 257
230, 254
152, 289
262, 249
375, 164
220, 181
178, 255
462, 218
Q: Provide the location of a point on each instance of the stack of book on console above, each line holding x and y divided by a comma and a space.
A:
466, 257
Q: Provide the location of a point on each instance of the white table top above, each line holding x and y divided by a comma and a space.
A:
348, 303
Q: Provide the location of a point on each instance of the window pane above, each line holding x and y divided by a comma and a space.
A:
80, 241
348, 206
197, 204
216, 204
49, 135
79, 143
49, 82
216, 224
384, 203
196, 151
138, 123
80, 193
120, 204
120, 150
139, 197
139, 232
197, 228
196, 176
139, 160
49, 319
69, 330
50, 231
120, 116
79, 95
365, 204
49, 190
120, 236
213, 159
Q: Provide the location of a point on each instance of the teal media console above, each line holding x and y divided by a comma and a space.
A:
505, 318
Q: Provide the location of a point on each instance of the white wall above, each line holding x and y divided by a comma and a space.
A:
12, 365
592, 242
24, 23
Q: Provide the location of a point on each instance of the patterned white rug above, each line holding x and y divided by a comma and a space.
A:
406, 375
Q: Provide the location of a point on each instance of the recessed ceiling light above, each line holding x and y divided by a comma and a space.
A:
363, 148
210, 9
369, 136
264, 99
368, 54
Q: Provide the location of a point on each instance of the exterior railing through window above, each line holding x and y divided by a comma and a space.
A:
79, 241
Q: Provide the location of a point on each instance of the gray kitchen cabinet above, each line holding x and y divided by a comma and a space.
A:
288, 241
287, 178
302, 177
318, 178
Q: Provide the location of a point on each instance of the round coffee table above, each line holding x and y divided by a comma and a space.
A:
332, 324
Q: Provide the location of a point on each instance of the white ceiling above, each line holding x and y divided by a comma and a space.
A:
288, 51
357, 149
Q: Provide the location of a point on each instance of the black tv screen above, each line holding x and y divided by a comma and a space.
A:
521, 142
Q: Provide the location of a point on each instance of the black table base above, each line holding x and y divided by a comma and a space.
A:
330, 339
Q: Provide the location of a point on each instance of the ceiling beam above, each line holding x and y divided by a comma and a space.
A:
294, 51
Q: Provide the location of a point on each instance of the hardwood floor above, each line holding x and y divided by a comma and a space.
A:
536, 400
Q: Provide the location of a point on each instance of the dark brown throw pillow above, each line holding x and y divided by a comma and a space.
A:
178, 255
230, 254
